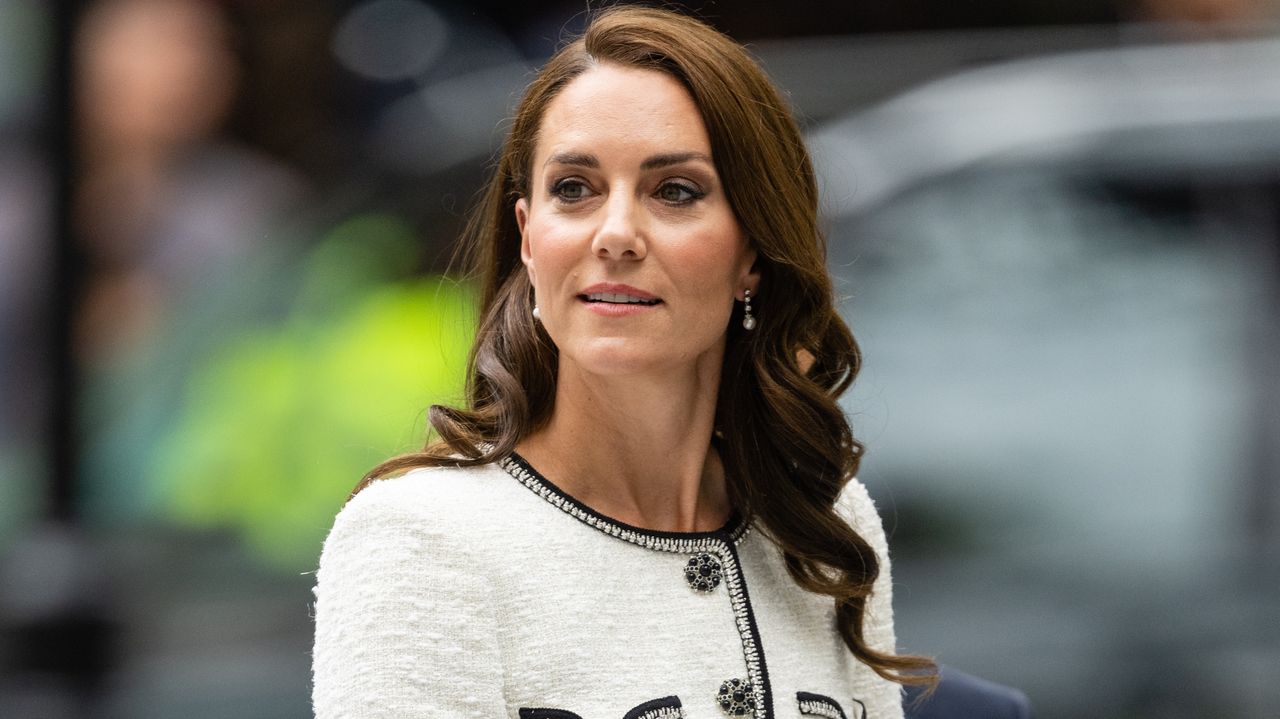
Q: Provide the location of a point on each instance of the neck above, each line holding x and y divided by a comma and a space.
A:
637, 449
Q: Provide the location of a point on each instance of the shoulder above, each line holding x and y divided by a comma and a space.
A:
399, 533
425, 502
395, 596
858, 509
428, 492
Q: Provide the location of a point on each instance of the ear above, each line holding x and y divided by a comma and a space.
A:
749, 277
522, 218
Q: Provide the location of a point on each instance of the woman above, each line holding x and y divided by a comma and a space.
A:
646, 508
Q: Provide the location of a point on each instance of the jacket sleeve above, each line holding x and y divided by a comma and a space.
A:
403, 624
857, 508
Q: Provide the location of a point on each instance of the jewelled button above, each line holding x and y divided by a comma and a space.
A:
703, 572
736, 698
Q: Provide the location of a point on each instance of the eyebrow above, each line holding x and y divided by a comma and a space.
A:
582, 159
674, 158
576, 159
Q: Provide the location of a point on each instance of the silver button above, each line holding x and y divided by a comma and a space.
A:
736, 698
703, 572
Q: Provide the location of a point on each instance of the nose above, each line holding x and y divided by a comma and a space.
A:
620, 235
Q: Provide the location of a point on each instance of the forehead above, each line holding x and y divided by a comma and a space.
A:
615, 109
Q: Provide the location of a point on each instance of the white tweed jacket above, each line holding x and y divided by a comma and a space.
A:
488, 592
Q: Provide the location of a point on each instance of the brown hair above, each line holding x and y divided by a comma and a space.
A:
786, 447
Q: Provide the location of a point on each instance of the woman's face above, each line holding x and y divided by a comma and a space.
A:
634, 253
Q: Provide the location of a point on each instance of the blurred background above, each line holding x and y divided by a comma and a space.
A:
225, 232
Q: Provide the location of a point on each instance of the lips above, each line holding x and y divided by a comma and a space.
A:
618, 295
619, 298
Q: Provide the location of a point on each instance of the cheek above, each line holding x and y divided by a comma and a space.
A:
712, 267
551, 249
712, 280
556, 272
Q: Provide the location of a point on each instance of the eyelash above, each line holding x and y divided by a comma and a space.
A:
557, 189
693, 193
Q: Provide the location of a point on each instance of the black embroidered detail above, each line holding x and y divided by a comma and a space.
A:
664, 708
547, 714
736, 698
703, 572
757, 672
821, 706
678, 542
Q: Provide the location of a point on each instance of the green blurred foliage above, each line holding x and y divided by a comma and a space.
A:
279, 423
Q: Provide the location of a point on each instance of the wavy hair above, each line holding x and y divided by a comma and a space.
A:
785, 444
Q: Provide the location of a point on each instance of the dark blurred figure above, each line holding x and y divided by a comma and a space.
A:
163, 200
162, 204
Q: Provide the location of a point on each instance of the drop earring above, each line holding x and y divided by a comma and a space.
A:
748, 321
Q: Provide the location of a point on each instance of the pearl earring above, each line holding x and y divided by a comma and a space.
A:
748, 321
536, 314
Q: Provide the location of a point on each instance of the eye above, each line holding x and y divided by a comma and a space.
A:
570, 189
678, 193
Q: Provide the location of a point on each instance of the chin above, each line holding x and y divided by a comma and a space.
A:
619, 357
